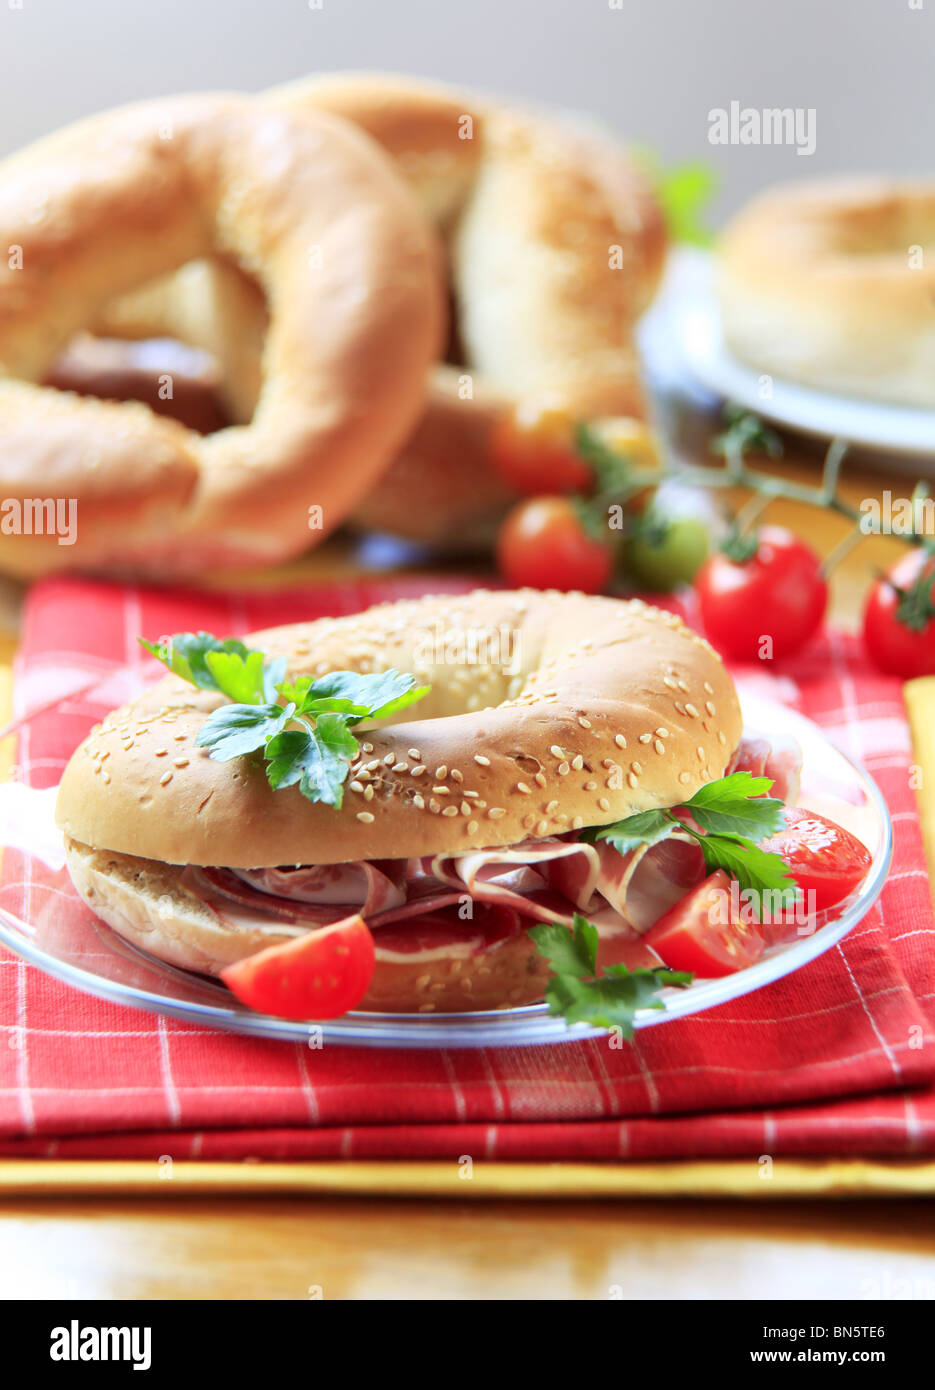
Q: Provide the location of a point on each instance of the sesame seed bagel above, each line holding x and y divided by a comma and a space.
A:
547, 712
824, 283
308, 207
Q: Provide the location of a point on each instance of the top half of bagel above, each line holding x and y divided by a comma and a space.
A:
547, 712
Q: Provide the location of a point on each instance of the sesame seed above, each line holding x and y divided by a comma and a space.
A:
620, 740
456, 776
709, 706
479, 758
684, 777
418, 802
659, 746
542, 827
356, 786
590, 786
662, 733
585, 723
179, 738
563, 769
434, 806
372, 766
367, 747
541, 779
603, 803
365, 816
496, 812
368, 792
165, 779
551, 806
400, 767
415, 754
709, 687
522, 787
690, 710
632, 780
441, 772
418, 771
668, 681
450, 811
722, 738
471, 827
683, 687
180, 762
577, 763
646, 738
528, 822
556, 751
701, 753
442, 790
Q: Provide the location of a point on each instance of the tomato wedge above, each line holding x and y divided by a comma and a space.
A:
823, 858
704, 934
319, 975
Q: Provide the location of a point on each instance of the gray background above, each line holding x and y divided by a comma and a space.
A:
654, 68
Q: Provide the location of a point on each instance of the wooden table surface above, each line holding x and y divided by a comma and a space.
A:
168, 1247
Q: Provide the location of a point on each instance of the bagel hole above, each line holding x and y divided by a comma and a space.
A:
208, 379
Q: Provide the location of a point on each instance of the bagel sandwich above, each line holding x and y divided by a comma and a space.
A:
439, 772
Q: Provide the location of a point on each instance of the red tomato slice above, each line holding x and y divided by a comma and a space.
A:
704, 934
823, 858
319, 975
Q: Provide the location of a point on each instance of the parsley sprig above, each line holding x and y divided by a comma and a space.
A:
731, 817
302, 727
581, 995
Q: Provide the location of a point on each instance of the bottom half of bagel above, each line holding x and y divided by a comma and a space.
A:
442, 963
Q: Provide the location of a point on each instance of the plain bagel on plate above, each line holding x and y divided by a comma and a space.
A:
831, 284
547, 713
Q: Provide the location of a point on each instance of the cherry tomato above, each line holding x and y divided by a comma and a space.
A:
899, 627
533, 449
704, 932
823, 858
543, 543
777, 594
666, 556
319, 975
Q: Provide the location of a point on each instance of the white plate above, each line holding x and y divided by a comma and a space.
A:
681, 334
43, 919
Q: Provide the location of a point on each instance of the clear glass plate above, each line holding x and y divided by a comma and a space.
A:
43, 919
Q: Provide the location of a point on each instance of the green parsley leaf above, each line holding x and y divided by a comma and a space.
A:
185, 655
240, 678
576, 992
734, 805
235, 730
645, 828
228, 667
568, 952
755, 869
317, 759
611, 470
612, 1000
373, 696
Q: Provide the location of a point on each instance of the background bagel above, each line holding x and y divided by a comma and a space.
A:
555, 244
818, 283
314, 212
601, 708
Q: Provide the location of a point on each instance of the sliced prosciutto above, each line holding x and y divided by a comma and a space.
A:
780, 759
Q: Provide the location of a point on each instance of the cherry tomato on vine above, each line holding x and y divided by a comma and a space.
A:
899, 619
545, 544
776, 593
533, 449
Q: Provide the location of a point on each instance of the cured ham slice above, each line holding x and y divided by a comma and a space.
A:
370, 885
780, 759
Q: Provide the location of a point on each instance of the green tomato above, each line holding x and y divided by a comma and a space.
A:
665, 554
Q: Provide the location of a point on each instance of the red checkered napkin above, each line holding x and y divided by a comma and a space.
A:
837, 1058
